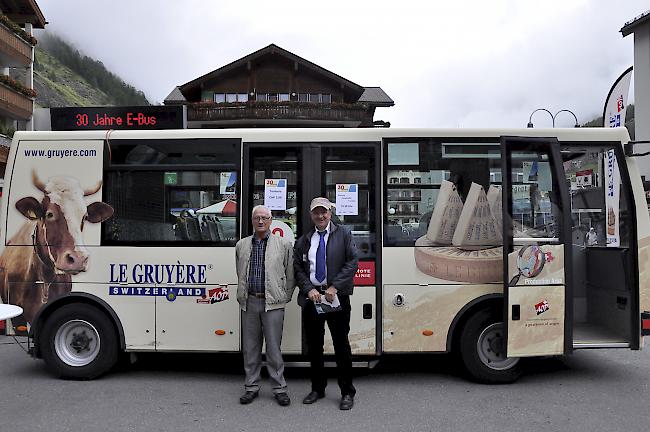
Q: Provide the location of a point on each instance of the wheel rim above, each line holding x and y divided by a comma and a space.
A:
490, 347
77, 343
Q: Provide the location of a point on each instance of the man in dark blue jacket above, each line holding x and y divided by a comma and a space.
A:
325, 262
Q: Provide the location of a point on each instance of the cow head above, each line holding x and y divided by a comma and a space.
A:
61, 216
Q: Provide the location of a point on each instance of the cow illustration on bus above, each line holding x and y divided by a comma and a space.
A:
53, 229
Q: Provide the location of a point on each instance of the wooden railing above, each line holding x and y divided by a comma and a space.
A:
15, 104
14, 48
279, 111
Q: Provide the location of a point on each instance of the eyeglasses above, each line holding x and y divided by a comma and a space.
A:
261, 218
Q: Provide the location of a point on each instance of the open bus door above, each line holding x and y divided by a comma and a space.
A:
536, 248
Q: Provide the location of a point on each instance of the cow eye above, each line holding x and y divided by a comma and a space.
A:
49, 215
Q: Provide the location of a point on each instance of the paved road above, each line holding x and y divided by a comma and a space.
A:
588, 391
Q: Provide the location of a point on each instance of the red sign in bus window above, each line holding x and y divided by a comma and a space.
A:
365, 273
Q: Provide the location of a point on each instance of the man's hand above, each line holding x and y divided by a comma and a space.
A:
314, 295
330, 293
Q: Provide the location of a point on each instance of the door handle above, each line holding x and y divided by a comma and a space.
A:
516, 313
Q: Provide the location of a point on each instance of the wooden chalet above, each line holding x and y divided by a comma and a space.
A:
273, 87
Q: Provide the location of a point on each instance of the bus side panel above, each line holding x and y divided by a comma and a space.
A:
418, 309
418, 318
292, 329
49, 194
183, 299
136, 314
362, 334
643, 236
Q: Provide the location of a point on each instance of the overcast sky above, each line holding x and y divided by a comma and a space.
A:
452, 64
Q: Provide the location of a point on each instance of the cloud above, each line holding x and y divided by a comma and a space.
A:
466, 63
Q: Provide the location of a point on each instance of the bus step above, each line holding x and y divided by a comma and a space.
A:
330, 364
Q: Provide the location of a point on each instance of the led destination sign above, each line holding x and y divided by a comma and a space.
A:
135, 117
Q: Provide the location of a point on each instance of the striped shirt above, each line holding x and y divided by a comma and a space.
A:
256, 265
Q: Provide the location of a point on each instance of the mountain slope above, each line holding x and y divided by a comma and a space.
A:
65, 77
629, 121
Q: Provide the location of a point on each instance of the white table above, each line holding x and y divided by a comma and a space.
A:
9, 311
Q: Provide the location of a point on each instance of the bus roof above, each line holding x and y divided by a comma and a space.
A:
332, 134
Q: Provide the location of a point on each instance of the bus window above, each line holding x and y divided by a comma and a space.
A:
172, 192
354, 167
282, 164
600, 213
535, 211
416, 170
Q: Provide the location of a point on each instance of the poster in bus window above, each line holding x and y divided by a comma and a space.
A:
529, 171
537, 172
347, 199
275, 194
227, 183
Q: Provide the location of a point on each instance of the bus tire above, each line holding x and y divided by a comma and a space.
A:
79, 342
482, 350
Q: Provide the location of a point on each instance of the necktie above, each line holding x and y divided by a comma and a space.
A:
320, 257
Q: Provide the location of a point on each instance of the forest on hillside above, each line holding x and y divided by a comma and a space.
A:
91, 70
629, 121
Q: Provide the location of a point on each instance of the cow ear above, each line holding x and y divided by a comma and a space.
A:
30, 208
99, 212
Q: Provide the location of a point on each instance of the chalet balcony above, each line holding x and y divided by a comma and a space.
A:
14, 51
14, 104
296, 114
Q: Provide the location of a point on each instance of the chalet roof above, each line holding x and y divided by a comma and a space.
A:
376, 96
23, 11
271, 49
630, 26
175, 96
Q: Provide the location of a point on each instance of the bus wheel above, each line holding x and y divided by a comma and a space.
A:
79, 342
482, 349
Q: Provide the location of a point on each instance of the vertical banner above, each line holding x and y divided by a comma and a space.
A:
616, 102
612, 192
347, 199
275, 194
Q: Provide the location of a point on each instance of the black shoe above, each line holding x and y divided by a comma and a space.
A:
282, 399
313, 397
347, 402
248, 397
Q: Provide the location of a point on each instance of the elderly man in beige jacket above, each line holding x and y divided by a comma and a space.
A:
265, 284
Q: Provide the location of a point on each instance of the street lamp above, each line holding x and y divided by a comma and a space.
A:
530, 119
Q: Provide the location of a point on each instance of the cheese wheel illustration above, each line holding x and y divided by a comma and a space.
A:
459, 265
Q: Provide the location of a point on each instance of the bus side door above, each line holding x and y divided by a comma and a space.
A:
536, 258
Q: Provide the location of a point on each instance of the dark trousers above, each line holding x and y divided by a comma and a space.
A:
339, 325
